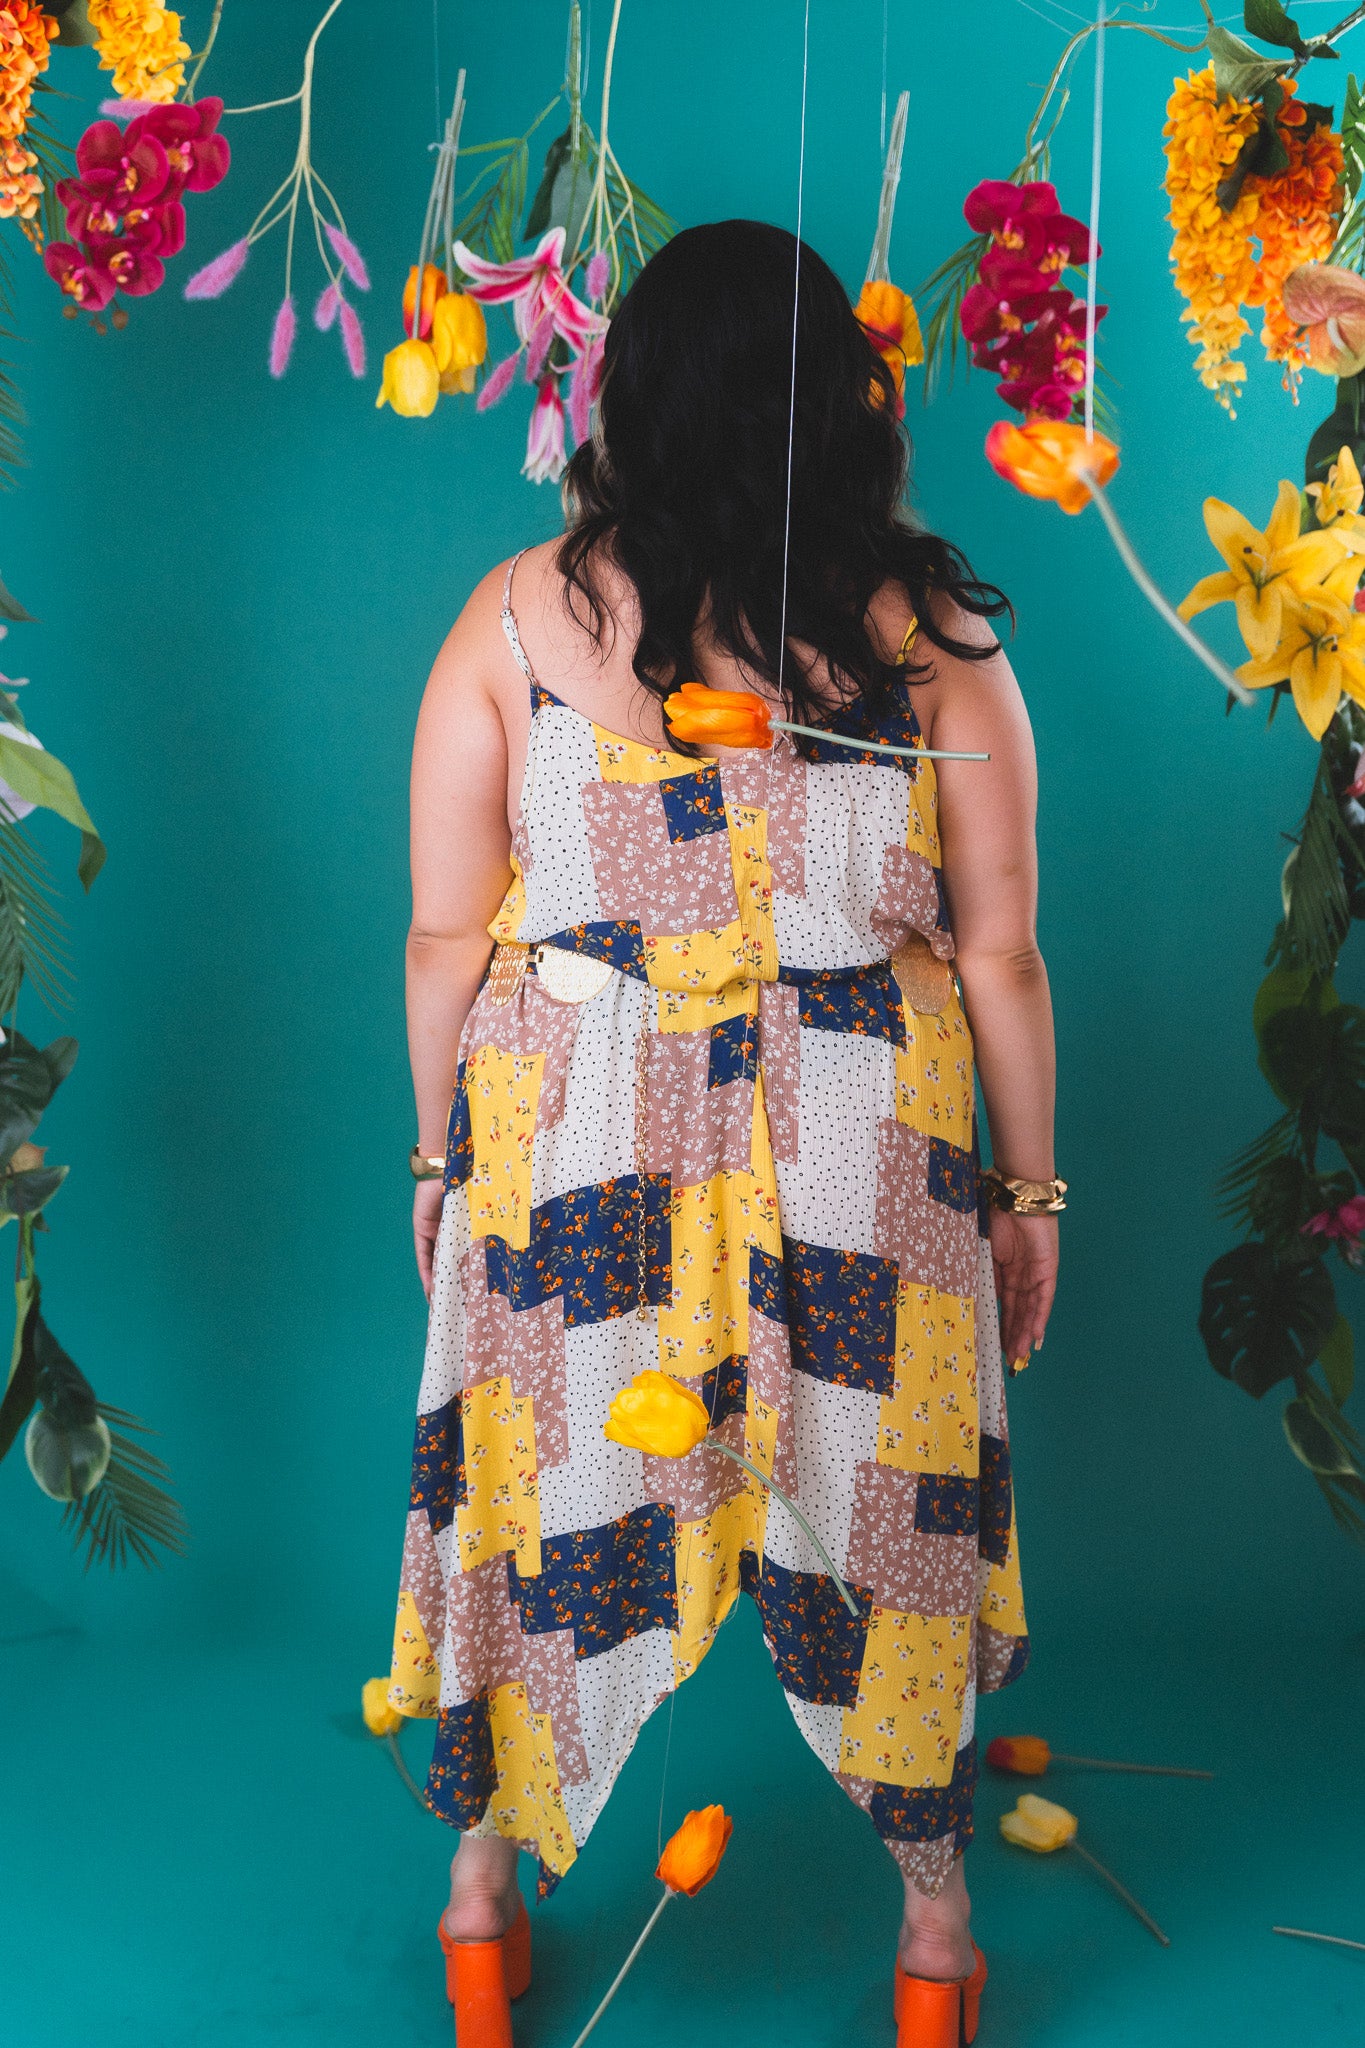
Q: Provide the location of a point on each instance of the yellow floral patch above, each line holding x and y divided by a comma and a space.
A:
680, 1010
502, 1506
708, 1554
905, 1725
931, 1423
922, 833
1002, 1598
507, 923
414, 1676
502, 1089
749, 864
697, 963
621, 760
934, 1086
527, 1805
706, 1318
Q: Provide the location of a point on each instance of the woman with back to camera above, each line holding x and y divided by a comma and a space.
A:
706, 1108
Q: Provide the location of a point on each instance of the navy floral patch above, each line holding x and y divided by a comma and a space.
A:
605, 1584
462, 1776
952, 1176
693, 804
438, 1483
842, 1314
619, 941
586, 1246
767, 1286
925, 1813
997, 1499
724, 1390
816, 1644
459, 1138
734, 1051
863, 1000
946, 1504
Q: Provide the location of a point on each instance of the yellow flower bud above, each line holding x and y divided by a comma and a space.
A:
411, 381
1038, 1824
657, 1414
380, 1717
459, 335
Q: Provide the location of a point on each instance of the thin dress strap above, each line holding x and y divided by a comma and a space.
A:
509, 624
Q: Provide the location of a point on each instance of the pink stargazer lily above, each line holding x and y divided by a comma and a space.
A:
545, 450
536, 288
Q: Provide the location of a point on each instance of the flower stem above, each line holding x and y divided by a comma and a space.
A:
1306, 1934
1132, 562
1129, 1901
619, 1979
1098, 1763
203, 56
842, 739
738, 1458
404, 1773
878, 263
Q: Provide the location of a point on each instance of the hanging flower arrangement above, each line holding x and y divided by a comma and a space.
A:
26, 35
142, 45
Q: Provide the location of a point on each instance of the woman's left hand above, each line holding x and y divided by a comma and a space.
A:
1025, 1250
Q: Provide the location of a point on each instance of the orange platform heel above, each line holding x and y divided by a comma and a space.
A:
482, 1979
934, 2015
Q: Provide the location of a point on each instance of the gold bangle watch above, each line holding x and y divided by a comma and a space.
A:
423, 1167
1023, 1197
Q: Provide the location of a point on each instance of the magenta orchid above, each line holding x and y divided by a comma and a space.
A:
1020, 322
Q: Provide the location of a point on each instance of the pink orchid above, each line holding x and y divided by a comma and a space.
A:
197, 157
997, 203
79, 278
545, 450
1345, 1224
121, 170
129, 266
535, 286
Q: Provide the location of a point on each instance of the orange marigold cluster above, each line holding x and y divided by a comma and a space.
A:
1218, 265
1211, 253
26, 34
1297, 223
140, 43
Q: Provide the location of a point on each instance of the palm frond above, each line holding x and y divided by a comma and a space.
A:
130, 1511
1245, 1168
54, 163
1318, 915
32, 932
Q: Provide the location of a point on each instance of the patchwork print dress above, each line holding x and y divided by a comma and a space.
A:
714, 1116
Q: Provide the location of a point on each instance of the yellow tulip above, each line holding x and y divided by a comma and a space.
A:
459, 340
1038, 1824
692, 1856
659, 1415
412, 382
1263, 568
380, 1717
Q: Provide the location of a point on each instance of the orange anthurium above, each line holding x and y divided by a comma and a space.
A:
433, 287
692, 1856
888, 314
727, 718
1051, 459
1027, 1756
657, 1414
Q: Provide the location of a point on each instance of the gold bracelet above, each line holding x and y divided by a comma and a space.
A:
1023, 1197
424, 1167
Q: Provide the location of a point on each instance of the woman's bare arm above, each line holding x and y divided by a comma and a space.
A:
461, 840
990, 875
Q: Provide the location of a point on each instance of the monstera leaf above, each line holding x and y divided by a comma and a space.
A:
1264, 1319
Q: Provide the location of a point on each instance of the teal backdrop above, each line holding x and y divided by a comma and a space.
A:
240, 585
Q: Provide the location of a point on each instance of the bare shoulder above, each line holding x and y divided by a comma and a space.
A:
965, 701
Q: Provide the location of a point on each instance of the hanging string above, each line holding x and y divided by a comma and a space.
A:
885, 5
1096, 159
436, 57
796, 307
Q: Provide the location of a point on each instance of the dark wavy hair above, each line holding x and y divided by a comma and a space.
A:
684, 482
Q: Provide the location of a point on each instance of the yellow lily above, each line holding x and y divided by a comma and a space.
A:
1260, 564
1342, 493
412, 382
1320, 651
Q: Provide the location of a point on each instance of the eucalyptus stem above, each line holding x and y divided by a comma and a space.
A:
203, 56
738, 1458
1159, 602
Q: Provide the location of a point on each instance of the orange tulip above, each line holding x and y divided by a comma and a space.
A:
691, 1858
727, 718
433, 288
1027, 1756
1050, 459
892, 324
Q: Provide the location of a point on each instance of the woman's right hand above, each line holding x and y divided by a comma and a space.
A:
426, 1222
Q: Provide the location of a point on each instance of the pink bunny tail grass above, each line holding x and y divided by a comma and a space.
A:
282, 338
595, 281
350, 258
580, 404
325, 311
499, 383
213, 280
353, 338
125, 110
538, 346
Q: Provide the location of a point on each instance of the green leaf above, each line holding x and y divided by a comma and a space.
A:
24, 1194
131, 1510
63, 1388
10, 608
1239, 71
1288, 988
1278, 1202
1337, 1359
538, 219
1315, 1062
1313, 1445
74, 22
1268, 20
1237, 1183
26, 1087
32, 934
22, 1391
1264, 1319
40, 778
1317, 910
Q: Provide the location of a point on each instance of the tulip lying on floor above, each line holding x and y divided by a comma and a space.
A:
1043, 1826
660, 1415
1028, 1756
690, 1860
